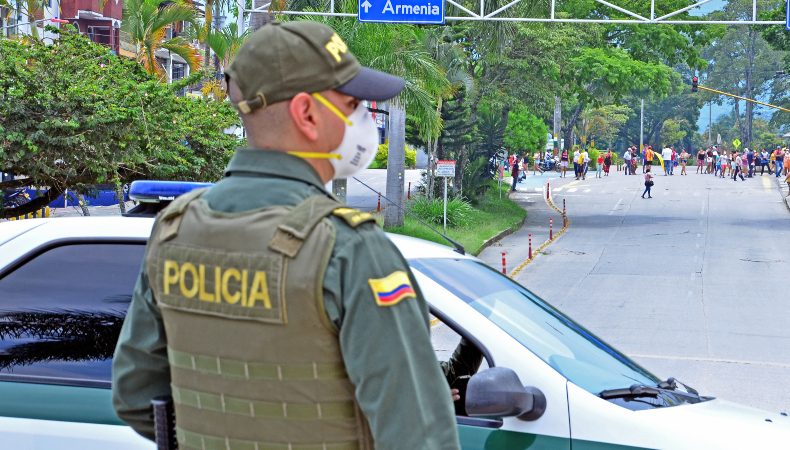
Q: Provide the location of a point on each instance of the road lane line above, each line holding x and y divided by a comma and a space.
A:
615, 206
557, 189
572, 190
766, 184
587, 190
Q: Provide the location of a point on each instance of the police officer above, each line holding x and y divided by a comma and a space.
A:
276, 317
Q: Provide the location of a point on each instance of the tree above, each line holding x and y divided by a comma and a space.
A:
741, 63
72, 115
671, 133
146, 21
30, 9
525, 133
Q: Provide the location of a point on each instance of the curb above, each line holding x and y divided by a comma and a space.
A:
779, 185
499, 236
545, 244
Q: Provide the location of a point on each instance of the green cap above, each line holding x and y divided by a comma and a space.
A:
281, 60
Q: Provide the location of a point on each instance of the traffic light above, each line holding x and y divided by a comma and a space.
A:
694, 84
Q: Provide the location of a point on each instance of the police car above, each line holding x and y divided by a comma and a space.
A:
65, 285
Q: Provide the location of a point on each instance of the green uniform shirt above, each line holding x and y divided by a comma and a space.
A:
386, 349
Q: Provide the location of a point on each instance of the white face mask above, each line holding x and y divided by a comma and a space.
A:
358, 147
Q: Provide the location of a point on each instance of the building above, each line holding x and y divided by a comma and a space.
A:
101, 26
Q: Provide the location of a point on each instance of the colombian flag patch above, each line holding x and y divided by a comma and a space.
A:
392, 289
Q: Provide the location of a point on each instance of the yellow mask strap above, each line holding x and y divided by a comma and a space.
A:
315, 155
332, 108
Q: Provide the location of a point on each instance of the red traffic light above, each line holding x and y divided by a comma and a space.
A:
694, 79
694, 83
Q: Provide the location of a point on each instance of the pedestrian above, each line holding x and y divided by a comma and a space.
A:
737, 167
666, 156
700, 160
648, 183
256, 357
723, 164
750, 162
535, 163
577, 163
627, 161
564, 163
786, 162
718, 165
764, 157
607, 162
744, 164
787, 180
684, 157
599, 166
514, 172
674, 161
709, 161
585, 158
648, 159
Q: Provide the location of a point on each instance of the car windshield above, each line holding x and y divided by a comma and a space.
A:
569, 348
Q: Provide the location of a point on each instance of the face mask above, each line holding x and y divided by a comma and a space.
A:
359, 145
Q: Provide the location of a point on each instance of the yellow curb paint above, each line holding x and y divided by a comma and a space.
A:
767, 184
545, 244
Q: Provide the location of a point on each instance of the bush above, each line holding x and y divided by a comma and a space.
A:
458, 210
381, 157
593, 153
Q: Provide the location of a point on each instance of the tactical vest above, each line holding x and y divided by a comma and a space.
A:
255, 362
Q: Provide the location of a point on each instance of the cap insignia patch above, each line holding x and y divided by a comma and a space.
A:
336, 46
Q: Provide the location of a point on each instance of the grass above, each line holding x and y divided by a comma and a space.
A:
486, 219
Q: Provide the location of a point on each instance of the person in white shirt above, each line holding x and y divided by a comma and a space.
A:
576, 165
627, 158
666, 155
585, 165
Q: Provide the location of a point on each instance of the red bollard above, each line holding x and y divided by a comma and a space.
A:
548, 189
378, 207
409, 194
504, 270
551, 228
563, 206
530, 247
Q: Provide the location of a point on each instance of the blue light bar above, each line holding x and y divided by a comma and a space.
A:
159, 191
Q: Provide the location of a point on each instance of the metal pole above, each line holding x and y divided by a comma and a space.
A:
240, 19
445, 205
642, 128
710, 121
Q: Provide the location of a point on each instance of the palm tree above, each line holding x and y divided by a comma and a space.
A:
147, 21
27, 8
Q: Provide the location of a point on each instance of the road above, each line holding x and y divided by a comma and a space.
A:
362, 198
691, 283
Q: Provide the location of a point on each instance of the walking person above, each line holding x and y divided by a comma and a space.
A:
744, 164
764, 156
737, 167
607, 162
750, 162
599, 166
709, 161
648, 183
585, 157
674, 161
666, 155
684, 157
700, 160
718, 165
724, 163
564, 163
266, 367
577, 162
627, 161
514, 172
648, 159
786, 162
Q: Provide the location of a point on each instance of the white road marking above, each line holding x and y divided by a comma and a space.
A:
587, 190
615, 206
540, 189
572, 190
557, 190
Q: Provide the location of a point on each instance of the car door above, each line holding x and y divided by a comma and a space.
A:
61, 310
454, 318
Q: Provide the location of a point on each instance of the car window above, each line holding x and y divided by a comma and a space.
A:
62, 311
569, 348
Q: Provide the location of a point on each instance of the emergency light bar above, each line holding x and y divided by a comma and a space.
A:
154, 196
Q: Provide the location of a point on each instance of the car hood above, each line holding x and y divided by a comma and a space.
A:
723, 425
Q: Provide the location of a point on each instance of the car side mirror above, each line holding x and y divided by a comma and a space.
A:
497, 392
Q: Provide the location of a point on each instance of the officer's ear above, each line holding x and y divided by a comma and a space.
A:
305, 116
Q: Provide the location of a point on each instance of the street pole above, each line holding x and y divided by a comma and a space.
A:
710, 121
445, 204
557, 119
240, 20
642, 128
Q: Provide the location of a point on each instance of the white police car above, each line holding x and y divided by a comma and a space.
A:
65, 285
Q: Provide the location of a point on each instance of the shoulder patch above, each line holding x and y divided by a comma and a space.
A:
392, 289
353, 217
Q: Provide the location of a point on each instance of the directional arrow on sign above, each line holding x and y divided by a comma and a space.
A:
366, 5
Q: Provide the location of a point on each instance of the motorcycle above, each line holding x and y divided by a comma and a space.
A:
14, 197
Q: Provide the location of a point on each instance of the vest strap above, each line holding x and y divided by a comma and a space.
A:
264, 410
299, 222
190, 439
255, 371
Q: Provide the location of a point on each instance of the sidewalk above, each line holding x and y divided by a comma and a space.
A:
530, 195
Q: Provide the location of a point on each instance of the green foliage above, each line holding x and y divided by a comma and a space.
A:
432, 211
525, 133
671, 133
381, 157
476, 180
72, 114
593, 153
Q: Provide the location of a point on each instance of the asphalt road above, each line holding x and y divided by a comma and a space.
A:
692, 283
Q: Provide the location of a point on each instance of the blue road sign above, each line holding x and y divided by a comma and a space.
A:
787, 18
402, 11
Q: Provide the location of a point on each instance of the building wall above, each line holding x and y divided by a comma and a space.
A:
113, 8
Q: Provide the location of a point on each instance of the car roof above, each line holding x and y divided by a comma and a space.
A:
19, 237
